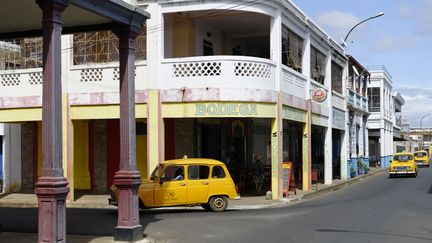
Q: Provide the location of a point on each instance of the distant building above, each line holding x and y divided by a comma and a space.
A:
384, 122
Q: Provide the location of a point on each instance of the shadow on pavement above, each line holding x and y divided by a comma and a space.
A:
374, 233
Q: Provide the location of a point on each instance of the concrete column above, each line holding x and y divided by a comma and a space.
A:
67, 139
12, 158
307, 163
328, 143
51, 187
155, 131
382, 146
328, 156
128, 178
344, 155
155, 53
276, 153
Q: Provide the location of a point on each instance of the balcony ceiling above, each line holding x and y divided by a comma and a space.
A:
22, 18
239, 22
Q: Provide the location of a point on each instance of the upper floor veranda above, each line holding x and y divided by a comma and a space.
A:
191, 50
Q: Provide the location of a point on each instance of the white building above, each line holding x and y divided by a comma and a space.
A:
212, 77
384, 120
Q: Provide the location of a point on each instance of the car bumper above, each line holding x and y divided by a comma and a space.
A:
112, 202
402, 172
422, 163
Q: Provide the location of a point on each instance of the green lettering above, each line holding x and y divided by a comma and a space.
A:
232, 109
244, 110
253, 110
222, 109
200, 110
211, 109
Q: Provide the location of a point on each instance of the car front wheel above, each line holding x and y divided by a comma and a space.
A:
218, 203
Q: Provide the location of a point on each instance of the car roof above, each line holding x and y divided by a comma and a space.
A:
188, 161
420, 151
403, 153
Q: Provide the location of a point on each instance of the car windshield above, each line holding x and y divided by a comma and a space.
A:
420, 154
402, 157
156, 172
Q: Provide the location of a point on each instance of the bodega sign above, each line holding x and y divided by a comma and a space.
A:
228, 109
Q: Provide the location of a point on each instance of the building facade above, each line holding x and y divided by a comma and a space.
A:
213, 79
384, 123
357, 103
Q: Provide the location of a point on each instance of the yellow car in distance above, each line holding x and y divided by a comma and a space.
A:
186, 182
403, 164
421, 158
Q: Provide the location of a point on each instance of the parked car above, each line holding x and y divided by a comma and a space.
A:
187, 181
403, 164
421, 158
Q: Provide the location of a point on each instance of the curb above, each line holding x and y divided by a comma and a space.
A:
342, 184
276, 204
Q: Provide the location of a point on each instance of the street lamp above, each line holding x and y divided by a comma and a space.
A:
361, 22
421, 128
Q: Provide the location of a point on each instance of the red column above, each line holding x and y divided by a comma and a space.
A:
51, 188
127, 179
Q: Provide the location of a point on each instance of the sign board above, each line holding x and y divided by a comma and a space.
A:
338, 119
319, 95
288, 180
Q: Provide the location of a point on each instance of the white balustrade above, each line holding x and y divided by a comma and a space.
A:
218, 72
102, 78
293, 83
21, 83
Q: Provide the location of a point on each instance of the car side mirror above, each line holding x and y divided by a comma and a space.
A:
160, 181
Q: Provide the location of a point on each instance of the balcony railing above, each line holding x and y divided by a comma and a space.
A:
293, 83
22, 82
102, 78
357, 101
218, 71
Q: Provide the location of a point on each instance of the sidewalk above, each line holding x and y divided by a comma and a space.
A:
28, 200
100, 201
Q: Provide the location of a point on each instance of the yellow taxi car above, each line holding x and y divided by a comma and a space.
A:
403, 164
421, 158
187, 181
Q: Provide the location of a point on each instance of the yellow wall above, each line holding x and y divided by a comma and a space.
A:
81, 155
183, 36
141, 155
39, 144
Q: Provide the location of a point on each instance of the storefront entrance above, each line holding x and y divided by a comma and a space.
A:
317, 151
234, 141
337, 146
292, 149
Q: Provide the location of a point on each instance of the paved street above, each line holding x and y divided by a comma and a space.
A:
377, 209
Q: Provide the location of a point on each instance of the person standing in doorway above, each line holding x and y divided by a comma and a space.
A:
258, 175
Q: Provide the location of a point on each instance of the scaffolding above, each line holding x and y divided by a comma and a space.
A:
21, 53
88, 47
102, 46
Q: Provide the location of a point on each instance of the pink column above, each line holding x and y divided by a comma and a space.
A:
127, 179
51, 188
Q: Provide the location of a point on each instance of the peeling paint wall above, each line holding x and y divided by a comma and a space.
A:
100, 156
184, 137
27, 160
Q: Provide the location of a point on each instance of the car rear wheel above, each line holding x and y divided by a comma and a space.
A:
218, 203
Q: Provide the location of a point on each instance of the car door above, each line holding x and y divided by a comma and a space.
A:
198, 183
171, 187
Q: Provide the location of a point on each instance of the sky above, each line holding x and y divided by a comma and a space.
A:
399, 40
